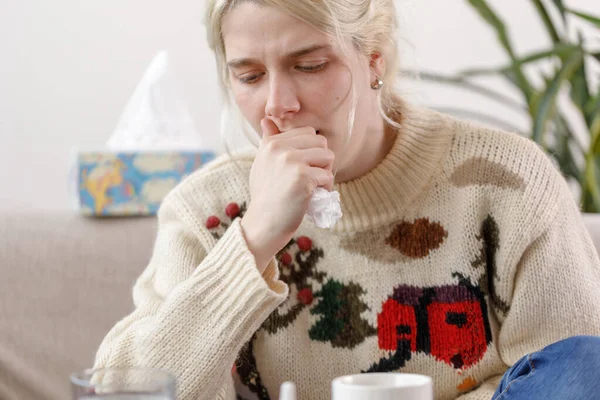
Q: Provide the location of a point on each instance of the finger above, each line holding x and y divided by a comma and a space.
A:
304, 141
322, 158
268, 128
322, 178
301, 131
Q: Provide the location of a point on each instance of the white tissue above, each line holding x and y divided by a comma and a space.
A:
156, 118
287, 391
324, 209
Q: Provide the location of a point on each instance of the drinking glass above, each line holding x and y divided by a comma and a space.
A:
123, 384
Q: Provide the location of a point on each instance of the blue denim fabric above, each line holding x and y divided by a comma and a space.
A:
565, 370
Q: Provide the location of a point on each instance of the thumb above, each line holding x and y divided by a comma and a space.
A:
268, 127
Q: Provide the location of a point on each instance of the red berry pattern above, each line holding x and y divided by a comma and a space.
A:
304, 243
305, 296
286, 259
212, 222
232, 210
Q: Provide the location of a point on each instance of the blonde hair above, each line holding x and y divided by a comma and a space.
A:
370, 25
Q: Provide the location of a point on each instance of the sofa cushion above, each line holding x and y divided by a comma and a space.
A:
64, 282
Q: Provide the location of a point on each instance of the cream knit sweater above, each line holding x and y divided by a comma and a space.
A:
458, 254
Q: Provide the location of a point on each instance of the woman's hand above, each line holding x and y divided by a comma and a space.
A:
287, 169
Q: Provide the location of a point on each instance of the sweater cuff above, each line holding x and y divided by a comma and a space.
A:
230, 278
271, 274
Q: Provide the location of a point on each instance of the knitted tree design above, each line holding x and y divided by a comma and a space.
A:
217, 227
245, 365
297, 270
340, 308
339, 304
489, 238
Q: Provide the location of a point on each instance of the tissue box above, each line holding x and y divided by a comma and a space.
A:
131, 183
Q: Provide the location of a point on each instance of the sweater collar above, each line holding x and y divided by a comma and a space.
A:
380, 196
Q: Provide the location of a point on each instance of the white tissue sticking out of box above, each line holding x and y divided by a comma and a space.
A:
156, 118
324, 208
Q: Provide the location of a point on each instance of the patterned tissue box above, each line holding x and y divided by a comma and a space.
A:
131, 183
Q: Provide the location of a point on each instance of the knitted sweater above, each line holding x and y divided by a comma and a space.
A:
461, 252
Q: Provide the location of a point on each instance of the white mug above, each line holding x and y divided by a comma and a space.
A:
382, 386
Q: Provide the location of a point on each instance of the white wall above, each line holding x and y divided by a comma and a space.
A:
67, 68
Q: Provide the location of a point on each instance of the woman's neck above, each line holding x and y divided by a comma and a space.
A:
382, 185
376, 144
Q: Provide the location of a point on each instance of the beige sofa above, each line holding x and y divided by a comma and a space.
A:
64, 281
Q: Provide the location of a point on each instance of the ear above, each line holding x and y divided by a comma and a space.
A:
377, 66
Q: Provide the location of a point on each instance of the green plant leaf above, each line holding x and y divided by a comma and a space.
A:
579, 91
564, 156
494, 21
536, 98
595, 133
561, 9
589, 18
493, 120
590, 189
547, 102
589, 186
512, 78
561, 50
593, 106
545, 16
497, 24
465, 84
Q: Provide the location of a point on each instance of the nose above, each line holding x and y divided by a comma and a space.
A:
283, 100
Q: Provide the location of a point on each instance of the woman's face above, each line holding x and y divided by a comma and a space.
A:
284, 69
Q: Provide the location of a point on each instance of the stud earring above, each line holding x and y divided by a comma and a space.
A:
377, 84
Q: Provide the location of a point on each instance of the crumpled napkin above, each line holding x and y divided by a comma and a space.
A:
324, 208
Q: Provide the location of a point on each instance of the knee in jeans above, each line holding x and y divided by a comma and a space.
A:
578, 347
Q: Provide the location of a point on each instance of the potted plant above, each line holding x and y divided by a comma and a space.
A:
551, 124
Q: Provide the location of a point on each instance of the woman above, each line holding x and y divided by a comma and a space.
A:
460, 255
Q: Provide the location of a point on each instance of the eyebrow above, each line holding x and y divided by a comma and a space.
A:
244, 62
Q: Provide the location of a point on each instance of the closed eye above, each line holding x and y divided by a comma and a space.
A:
311, 68
250, 78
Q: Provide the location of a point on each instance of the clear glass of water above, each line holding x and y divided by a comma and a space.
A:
123, 384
